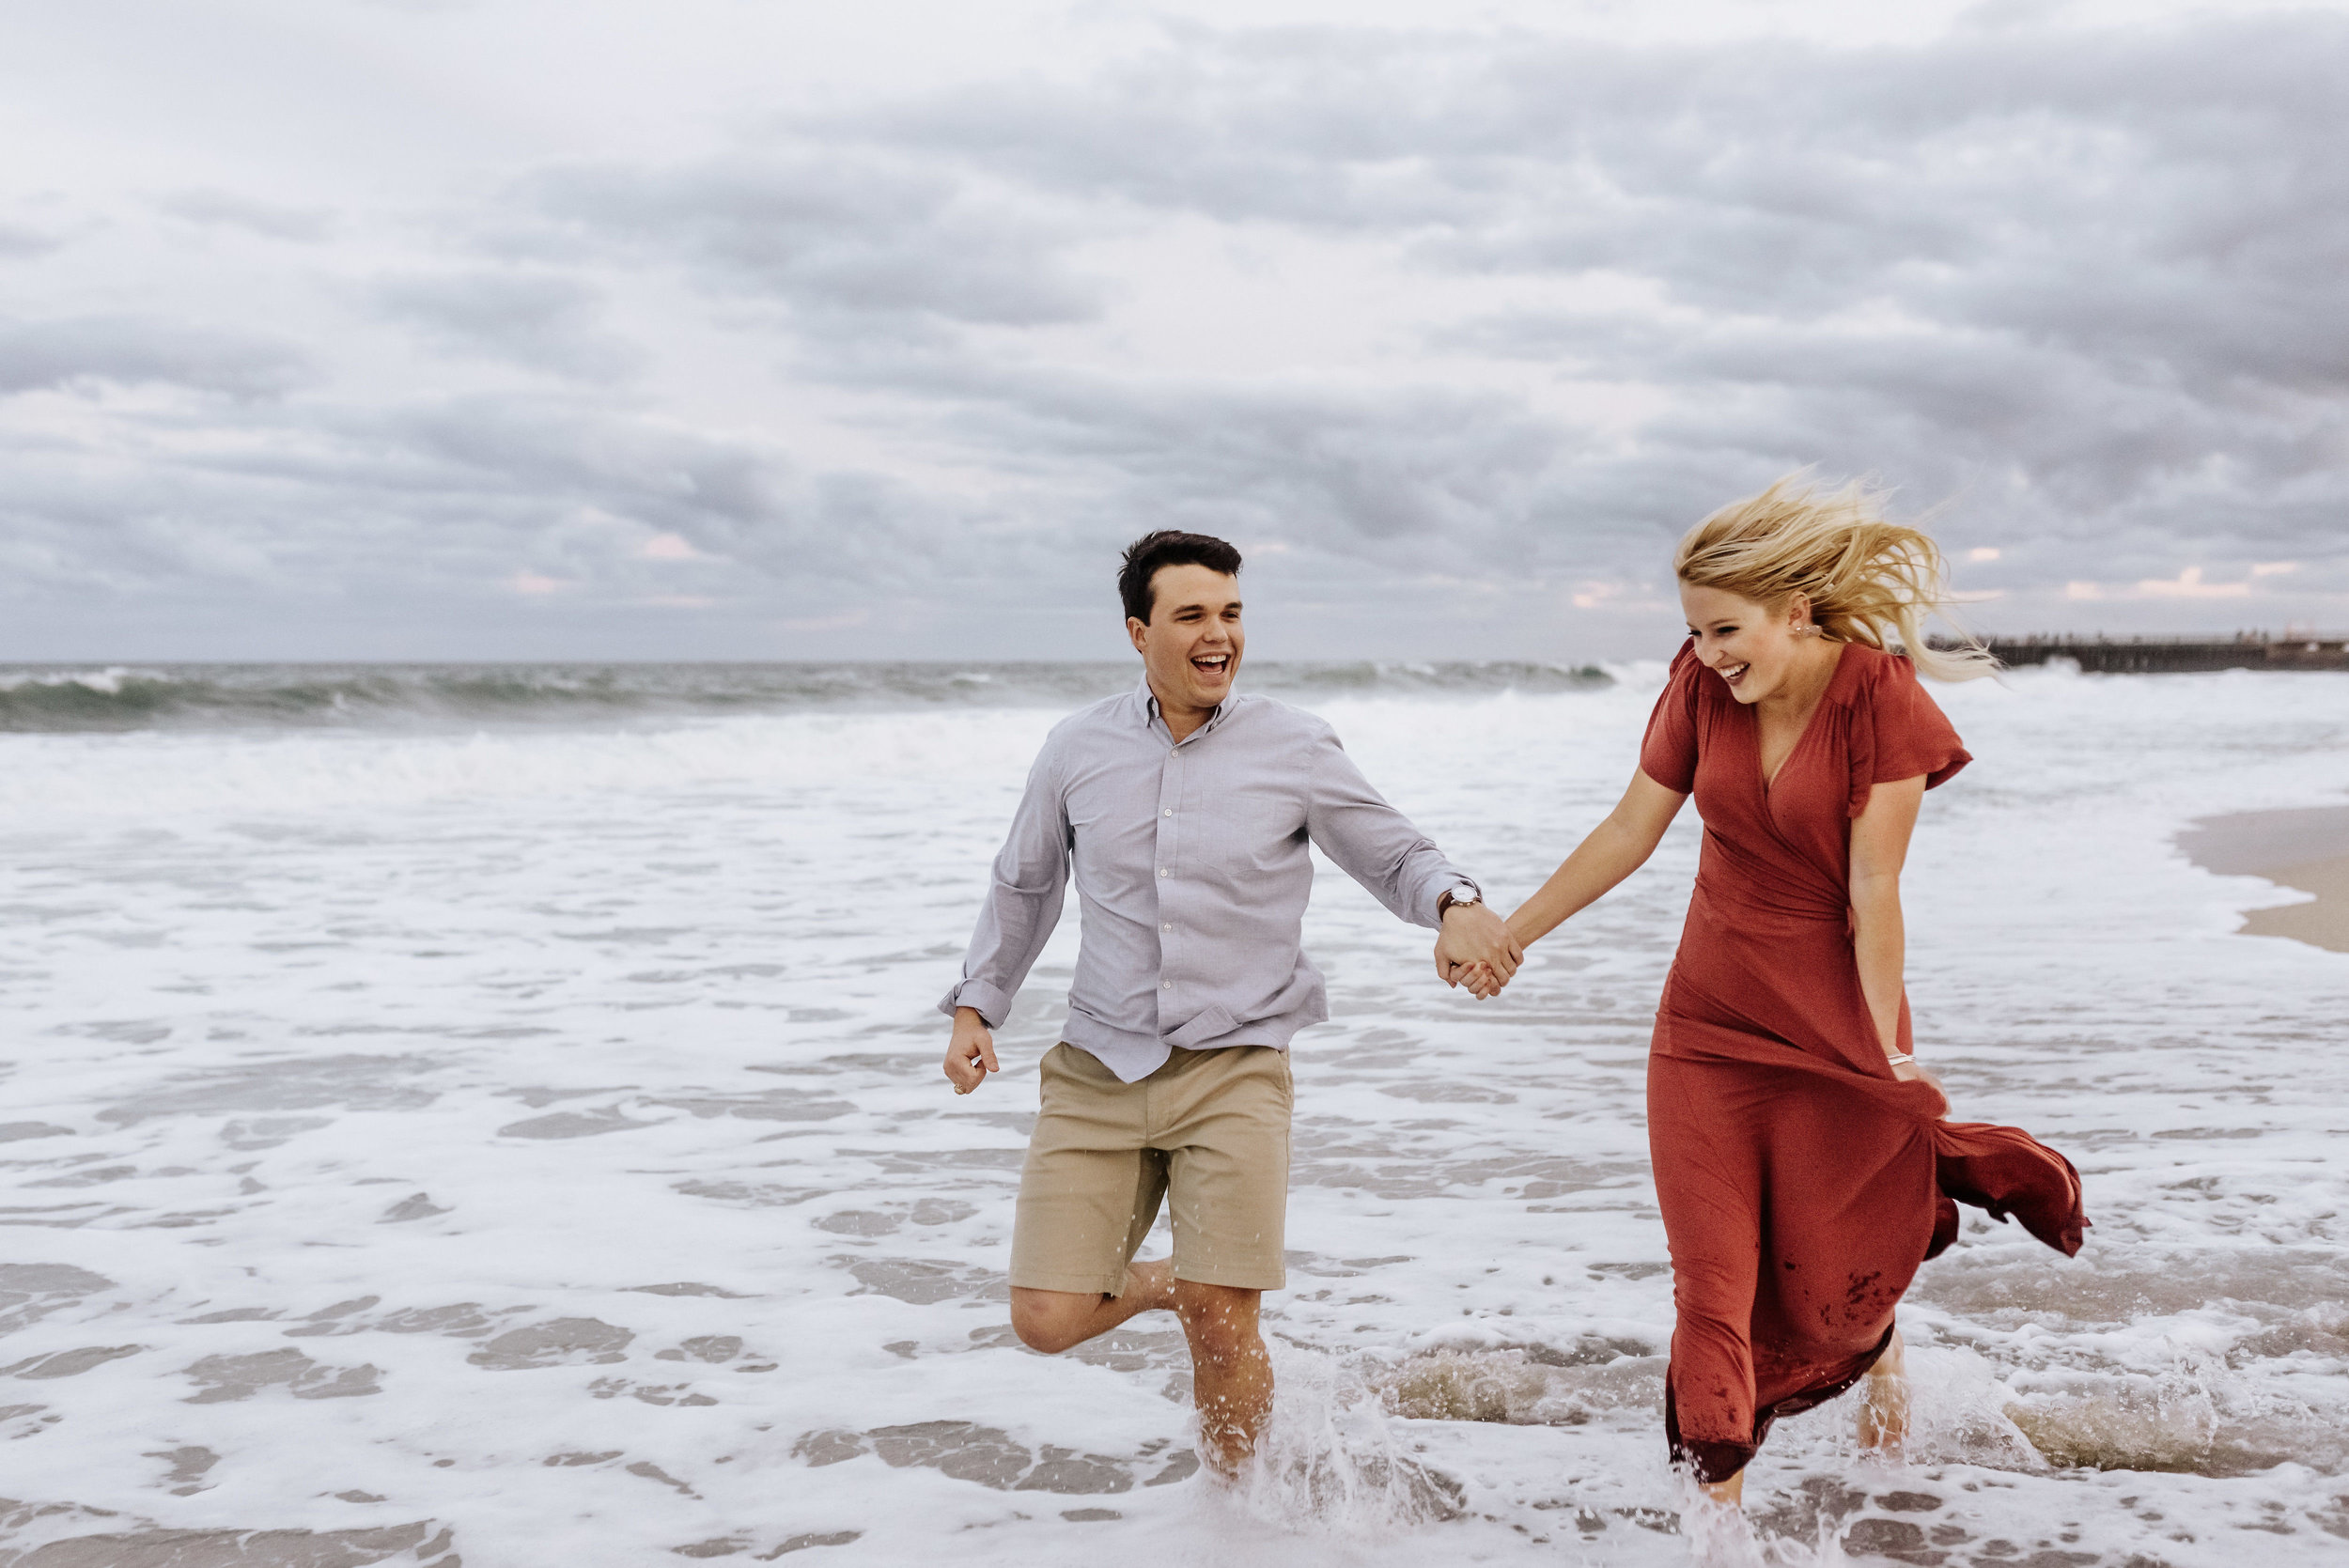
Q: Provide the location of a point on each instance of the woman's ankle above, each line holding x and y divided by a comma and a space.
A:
1883, 1420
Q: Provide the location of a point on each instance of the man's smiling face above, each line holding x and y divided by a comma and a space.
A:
1191, 645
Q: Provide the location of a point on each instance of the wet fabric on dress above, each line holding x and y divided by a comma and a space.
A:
1801, 1183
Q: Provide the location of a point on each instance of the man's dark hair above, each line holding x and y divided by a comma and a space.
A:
1168, 546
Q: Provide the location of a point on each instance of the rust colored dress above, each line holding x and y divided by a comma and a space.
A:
1801, 1183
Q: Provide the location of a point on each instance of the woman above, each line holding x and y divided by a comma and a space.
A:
1802, 1164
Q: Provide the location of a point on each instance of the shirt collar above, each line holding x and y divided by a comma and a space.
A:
1150, 715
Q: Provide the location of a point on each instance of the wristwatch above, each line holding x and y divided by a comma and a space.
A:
1455, 898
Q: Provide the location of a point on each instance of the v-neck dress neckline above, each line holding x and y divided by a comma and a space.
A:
1810, 725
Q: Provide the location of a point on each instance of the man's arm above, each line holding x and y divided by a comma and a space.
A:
1378, 846
1024, 895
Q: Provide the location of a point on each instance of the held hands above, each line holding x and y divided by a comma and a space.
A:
971, 1055
1476, 951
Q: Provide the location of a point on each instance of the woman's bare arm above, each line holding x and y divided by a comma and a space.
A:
1879, 847
1608, 854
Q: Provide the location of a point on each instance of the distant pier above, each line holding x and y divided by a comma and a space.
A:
2249, 650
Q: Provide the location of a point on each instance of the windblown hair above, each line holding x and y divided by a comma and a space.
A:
1870, 580
1168, 546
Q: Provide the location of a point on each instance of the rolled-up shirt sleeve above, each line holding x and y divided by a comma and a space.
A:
1024, 894
1372, 841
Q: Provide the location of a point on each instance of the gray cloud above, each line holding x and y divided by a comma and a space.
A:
541, 321
2076, 283
831, 236
1394, 470
2081, 282
18, 241
465, 501
131, 349
271, 220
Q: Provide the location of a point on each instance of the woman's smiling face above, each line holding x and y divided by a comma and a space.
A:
1751, 648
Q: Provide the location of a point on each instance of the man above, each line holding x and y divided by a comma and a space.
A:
1183, 814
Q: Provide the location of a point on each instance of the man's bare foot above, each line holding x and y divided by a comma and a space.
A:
1883, 1407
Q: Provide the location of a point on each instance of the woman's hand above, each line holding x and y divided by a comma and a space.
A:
1476, 950
1913, 1071
1482, 983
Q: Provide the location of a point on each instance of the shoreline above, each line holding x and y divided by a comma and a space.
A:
2307, 849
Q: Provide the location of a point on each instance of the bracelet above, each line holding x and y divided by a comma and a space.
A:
1901, 1060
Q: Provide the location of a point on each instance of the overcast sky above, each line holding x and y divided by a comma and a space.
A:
775, 329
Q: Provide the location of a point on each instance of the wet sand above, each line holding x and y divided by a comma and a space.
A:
2305, 848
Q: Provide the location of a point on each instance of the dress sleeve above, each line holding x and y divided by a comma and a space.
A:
1669, 753
1898, 732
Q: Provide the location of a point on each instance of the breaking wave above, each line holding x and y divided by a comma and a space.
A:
59, 699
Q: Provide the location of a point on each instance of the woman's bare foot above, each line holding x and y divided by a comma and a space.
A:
1716, 1526
1884, 1408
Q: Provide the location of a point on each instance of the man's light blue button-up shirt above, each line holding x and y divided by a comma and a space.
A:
1192, 862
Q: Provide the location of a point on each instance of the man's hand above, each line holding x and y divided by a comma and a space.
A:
971, 1056
1476, 950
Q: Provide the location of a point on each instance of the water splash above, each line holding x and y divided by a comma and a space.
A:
1331, 1462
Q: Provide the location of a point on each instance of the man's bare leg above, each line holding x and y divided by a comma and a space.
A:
1231, 1373
1057, 1320
1231, 1376
1884, 1411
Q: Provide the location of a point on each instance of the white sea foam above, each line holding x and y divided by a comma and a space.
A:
534, 1134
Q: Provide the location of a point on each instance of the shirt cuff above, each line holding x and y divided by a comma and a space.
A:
992, 1005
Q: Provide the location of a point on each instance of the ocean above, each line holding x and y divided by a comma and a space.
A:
495, 1113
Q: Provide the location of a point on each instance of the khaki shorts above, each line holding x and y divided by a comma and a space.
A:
1208, 1132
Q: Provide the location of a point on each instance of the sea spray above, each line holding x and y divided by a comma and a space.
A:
1330, 1460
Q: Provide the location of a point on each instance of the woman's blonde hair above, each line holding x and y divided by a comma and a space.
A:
1869, 579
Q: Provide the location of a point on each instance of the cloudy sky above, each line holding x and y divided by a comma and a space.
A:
777, 329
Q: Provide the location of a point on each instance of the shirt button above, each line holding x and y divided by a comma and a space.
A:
1166, 985
1163, 872
1168, 812
1166, 925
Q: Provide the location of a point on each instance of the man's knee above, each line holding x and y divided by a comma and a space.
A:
1050, 1321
